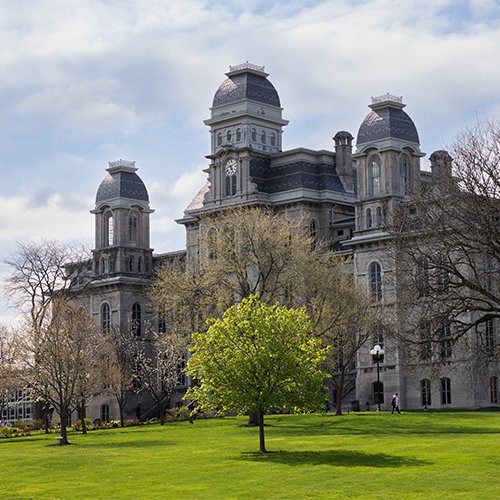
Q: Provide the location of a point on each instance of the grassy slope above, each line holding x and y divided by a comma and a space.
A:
370, 455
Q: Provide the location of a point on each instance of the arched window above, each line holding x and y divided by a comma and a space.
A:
103, 265
273, 139
108, 229
133, 224
380, 217
374, 175
487, 332
404, 173
263, 137
375, 281
425, 392
131, 263
105, 318
445, 391
425, 328
219, 139
228, 136
238, 135
369, 220
136, 320
104, 413
162, 323
181, 372
139, 264
254, 135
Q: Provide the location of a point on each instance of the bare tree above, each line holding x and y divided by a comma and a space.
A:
448, 244
159, 365
8, 368
119, 354
61, 357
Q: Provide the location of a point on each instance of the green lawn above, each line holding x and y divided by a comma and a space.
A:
370, 455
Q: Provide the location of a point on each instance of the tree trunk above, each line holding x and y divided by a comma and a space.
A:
122, 419
81, 411
261, 433
64, 431
253, 419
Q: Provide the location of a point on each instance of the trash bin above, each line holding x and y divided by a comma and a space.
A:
355, 405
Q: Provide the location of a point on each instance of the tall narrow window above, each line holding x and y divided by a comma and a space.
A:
442, 272
103, 265
369, 219
105, 413
162, 323
263, 137
375, 280
133, 223
425, 340
228, 136
313, 231
488, 335
105, 318
139, 264
136, 320
494, 390
425, 392
131, 263
230, 185
219, 139
254, 135
374, 176
380, 218
273, 139
487, 280
238, 135
403, 174
108, 229
445, 341
181, 372
423, 277
445, 391
378, 393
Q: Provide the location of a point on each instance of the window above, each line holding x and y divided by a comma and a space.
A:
445, 341
105, 318
133, 223
425, 392
103, 265
139, 264
228, 136
488, 334
369, 219
374, 175
445, 391
378, 336
212, 243
108, 229
263, 137
219, 139
380, 218
254, 135
136, 320
162, 323
238, 134
441, 272
494, 390
181, 372
230, 184
378, 393
487, 273
313, 232
404, 174
375, 277
425, 340
273, 139
423, 277
131, 262
104, 413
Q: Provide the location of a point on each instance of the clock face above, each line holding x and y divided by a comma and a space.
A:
231, 167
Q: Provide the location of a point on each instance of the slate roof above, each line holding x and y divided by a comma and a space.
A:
122, 184
295, 175
246, 86
387, 122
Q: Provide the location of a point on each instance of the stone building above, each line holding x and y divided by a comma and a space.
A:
347, 197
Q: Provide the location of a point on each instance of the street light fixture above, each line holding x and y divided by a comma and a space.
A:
378, 354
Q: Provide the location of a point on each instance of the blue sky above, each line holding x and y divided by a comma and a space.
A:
90, 81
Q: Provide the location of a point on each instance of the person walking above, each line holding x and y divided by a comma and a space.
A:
395, 403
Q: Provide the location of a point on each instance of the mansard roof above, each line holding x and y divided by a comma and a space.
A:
122, 182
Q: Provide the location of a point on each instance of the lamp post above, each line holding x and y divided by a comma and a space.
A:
378, 352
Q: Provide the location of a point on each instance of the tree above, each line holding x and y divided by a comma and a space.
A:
8, 369
117, 363
257, 358
60, 358
343, 316
448, 242
158, 368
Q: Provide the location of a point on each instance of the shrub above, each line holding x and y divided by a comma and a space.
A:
10, 432
77, 426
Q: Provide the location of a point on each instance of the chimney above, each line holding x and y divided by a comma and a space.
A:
343, 160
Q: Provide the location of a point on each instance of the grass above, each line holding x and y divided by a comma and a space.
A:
370, 455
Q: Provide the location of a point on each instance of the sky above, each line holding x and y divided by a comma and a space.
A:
85, 82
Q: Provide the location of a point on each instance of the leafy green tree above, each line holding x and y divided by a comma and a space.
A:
257, 358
